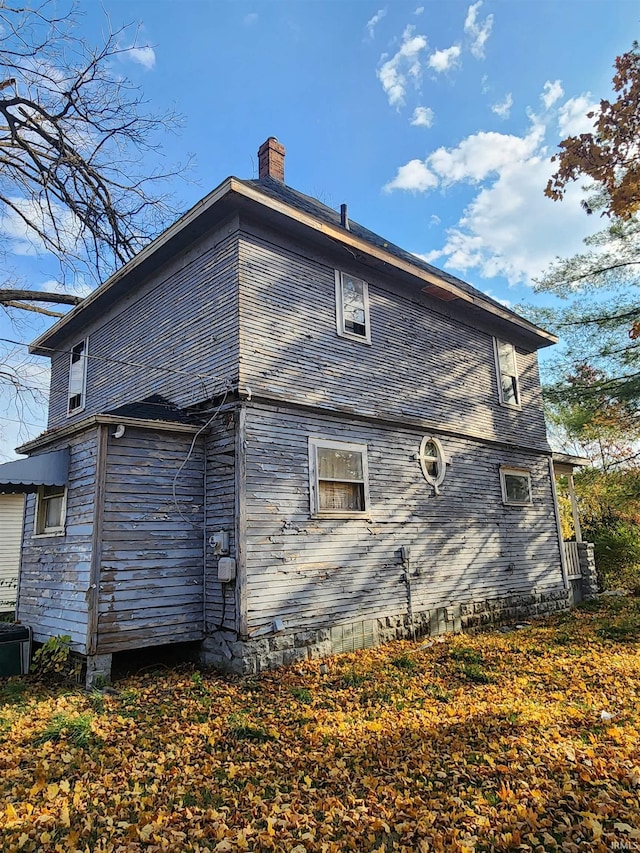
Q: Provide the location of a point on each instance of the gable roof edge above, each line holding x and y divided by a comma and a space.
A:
234, 185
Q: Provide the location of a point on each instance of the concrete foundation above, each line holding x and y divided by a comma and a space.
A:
249, 657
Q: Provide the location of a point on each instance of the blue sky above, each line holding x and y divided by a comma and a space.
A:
434, 121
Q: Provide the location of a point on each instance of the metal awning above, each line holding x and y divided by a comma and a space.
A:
43, 469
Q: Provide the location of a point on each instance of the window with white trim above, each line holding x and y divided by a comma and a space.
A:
51, 509
77, 377
516, 486
432, 461
338, 478
352, 307
507, 368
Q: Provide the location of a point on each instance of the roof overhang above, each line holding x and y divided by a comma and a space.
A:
43, 469
87, 423
564, 463
225, 200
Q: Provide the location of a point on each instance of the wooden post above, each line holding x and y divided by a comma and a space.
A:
574, 508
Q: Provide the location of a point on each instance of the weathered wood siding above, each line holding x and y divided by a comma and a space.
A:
420, 364
466, 545
54, 571
152, 561
220, 515
11, 512
184, 319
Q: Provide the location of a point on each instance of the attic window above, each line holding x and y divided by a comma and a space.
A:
352, 307
507, 368
77, 378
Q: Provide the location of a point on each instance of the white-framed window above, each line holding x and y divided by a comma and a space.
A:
338, 478
432, 461
507, 370
77, 377
352, 307
51, 510
516, 486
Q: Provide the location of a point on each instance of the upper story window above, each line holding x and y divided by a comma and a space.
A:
77, 377
51, 508
516, 486
338, 478
352, 307
507, 368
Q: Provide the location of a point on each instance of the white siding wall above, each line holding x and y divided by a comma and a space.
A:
55, 570
11, 511
466, 545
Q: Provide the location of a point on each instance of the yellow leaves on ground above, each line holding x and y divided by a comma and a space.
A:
522, 741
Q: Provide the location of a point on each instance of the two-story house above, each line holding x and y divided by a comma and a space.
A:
279, 435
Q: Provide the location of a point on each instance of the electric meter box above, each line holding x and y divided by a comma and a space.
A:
226, 569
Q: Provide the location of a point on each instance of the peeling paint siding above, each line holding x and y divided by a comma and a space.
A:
184, 318
466, 545
421, 363
220, 498
151, 570
54, 571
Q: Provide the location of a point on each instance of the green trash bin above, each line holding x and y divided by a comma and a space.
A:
15, 649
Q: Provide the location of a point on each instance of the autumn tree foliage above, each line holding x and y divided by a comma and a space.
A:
598, 319
609, 156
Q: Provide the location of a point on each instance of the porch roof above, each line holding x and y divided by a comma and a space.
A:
43, 469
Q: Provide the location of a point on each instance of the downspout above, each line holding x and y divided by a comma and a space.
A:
93, 593
205, 527
405, 553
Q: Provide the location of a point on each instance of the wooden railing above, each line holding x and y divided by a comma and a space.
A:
572, 559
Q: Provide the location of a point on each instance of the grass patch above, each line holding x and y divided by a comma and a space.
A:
302, 694
466, 654
239, 727
64, 727
404, 662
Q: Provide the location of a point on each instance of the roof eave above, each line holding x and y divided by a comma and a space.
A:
234, 186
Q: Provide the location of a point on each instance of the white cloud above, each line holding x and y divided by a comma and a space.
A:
419, 10
422, 117
477, 32
374, 21
551, 92
414, 176
428, 257
443, 60
509, 228
145, 56
250, 19
434, 219
503, 108
394, 73
481, 155
572, 116
24, 239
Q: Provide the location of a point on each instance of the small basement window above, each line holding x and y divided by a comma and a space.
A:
352, 307
77, 378
516, 486
51, 508
338, 478
507, 367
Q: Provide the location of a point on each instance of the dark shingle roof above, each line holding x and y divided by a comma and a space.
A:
153, 408
277, 190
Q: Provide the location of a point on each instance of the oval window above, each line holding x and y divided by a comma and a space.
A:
432, 461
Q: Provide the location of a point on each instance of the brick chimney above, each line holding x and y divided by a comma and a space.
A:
271, 160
